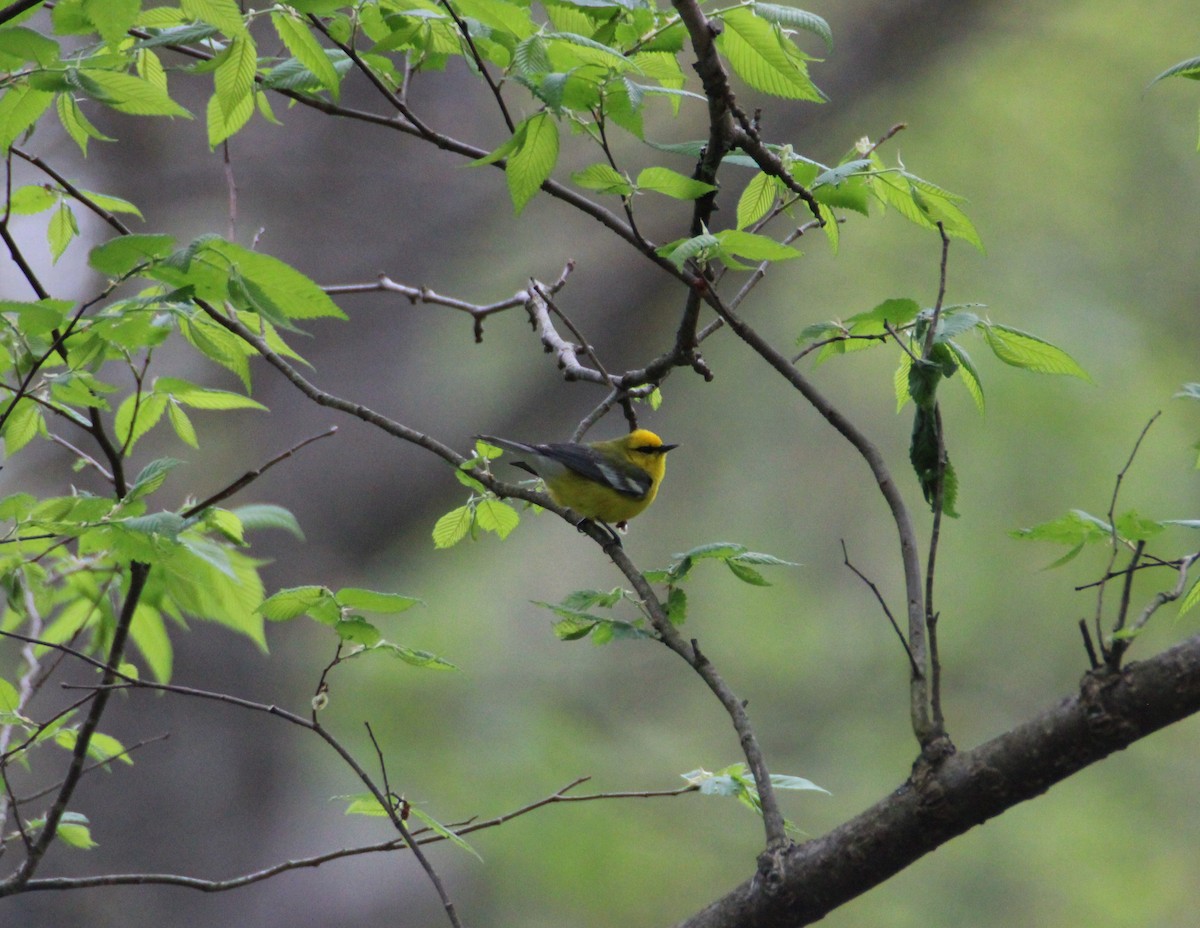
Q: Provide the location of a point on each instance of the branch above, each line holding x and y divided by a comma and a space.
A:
15, 883
773, 821
919, 687
1111, 712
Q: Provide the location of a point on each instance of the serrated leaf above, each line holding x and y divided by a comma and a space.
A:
372, 601
453, 527
746, 573
128, 94
970, 377
1190, 599
224, 14
753, 246
411, 656
672, 184
182, 425
357, 630
799, 19
233, 79
1020, 349
151, 478
73, 831
1189, 69
757, 199
762, 56
257, 516
119, 256
532, 161
493, 515
20, 107
603, 179
308, 51
136, 416
286, 289
197, 397
445, 832
62, 229
295, 601
112, 18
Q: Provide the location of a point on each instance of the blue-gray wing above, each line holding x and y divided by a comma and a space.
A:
626, 480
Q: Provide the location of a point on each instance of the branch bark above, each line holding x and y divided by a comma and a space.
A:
1110, 712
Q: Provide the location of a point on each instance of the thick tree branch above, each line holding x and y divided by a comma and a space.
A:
1111, 712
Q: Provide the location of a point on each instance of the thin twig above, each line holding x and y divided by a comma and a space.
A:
251, 475
883, 604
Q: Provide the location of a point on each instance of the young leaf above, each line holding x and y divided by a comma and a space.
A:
1020, 349
603, 179
672, 184
764, 57
371, 601
492, 515
532, 160
308, 51
757, 199
453, 527
293, 602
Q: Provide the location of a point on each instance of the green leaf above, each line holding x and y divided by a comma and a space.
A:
672, 184
112, 18
970, 377
1190, 599
32, 199
149, 633
410, 656
757, 199
1133, 527
37, 318
280, 286
799, 19
257, 516
699, 248
753, 247
445, 832
371, 601
182, 425
294, 601
138, 415
20, 107
28, 45
533, 159
603, 179
308, 51
197, 397
118, 257
128, 94
62, 229
234, 76
1020, 349
764, 57
492, 515
1076, 529
677, 605
357, 630
23, 424
746, 573
1189, 69
224, 14
73, 831
151, 478
453, 527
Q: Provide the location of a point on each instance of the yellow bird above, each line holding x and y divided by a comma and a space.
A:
608, 481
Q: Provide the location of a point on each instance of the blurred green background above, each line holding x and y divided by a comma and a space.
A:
1085, 189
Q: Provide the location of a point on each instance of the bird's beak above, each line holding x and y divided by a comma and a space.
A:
663, 449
